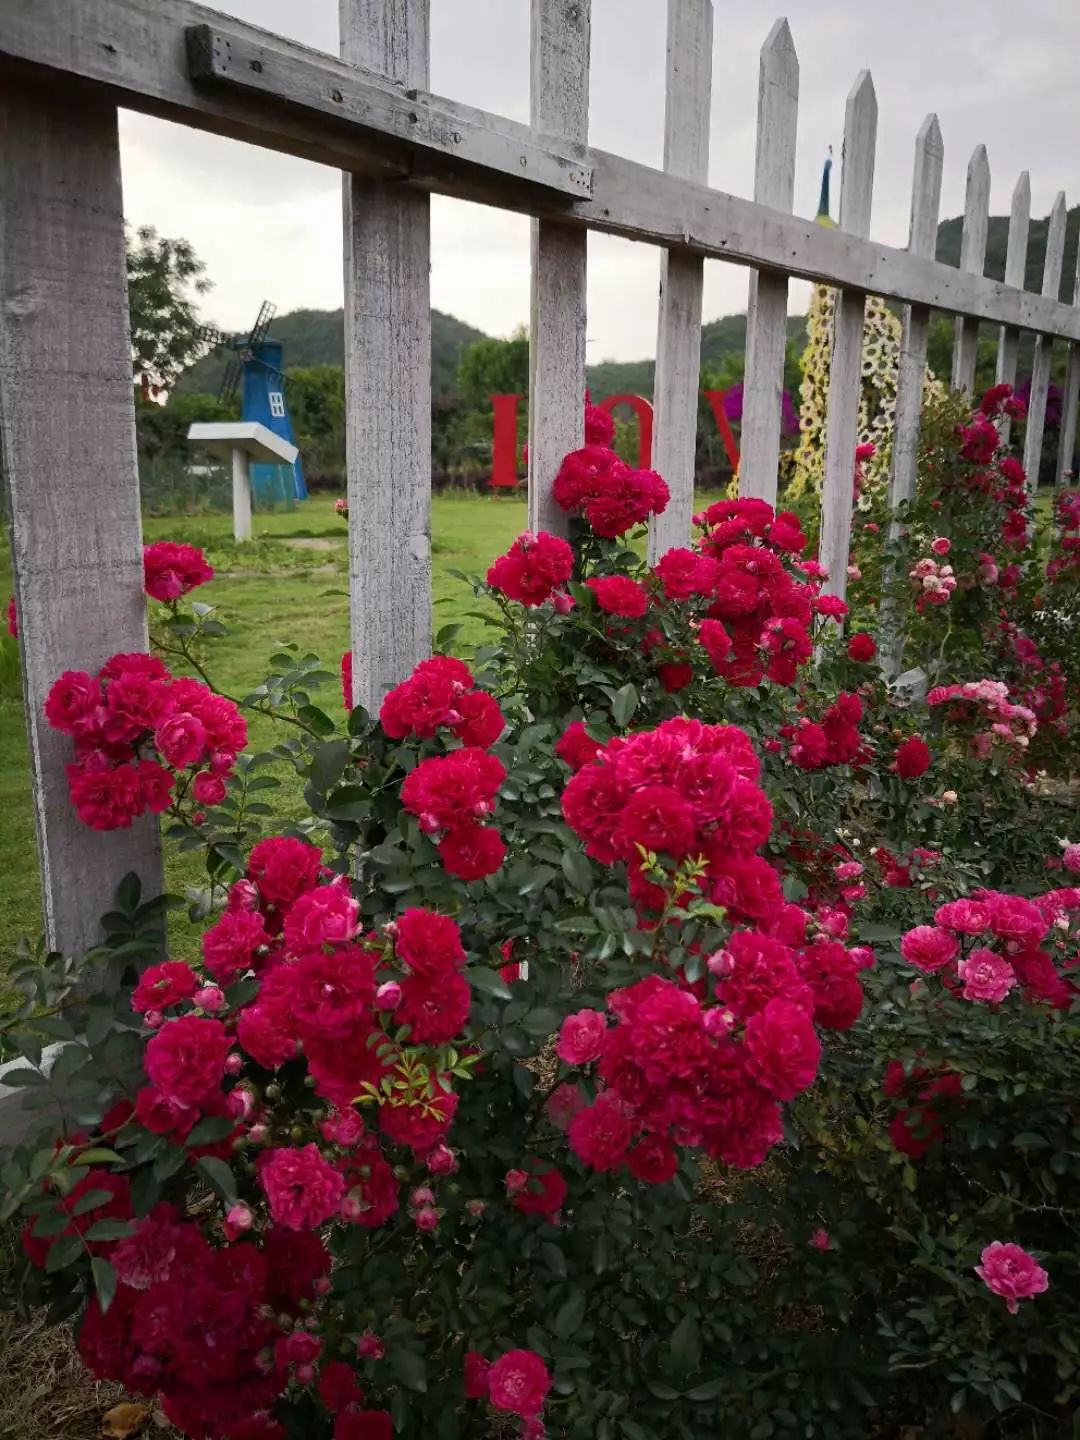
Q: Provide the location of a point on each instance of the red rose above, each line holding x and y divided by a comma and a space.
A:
472, 851
283, 868
364, 1425
435, 1010
185, 1059
163, 985
326, 916
230, 947
912, 758
519, 1382
303, 1190
782, 1047
653, 1160
619, 595
72, 698
208, 789
861, 647
172, 570
533, 568
581, 1038
929, 947
181, 740
427, 943
338, 1386
576, 747
600, 1135
542, 1194
477, 1370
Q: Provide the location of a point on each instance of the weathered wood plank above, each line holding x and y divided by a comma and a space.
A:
678, 343
67, 428
1067, 442
911, 376
558, 105
1015, 265
845, 371
1040, 366
138, 53
766, 318
387, 378
911, 372
972, 261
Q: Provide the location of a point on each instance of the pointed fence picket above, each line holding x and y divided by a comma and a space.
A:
678, 341
65, 394
1040, 367
972, 260
845, 369
1015, 267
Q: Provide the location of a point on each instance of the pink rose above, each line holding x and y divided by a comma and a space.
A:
986, 976
477, 1370
327, 916
965, 917
929, 948
1009, 1271
302, 1189
941, 546
820, 1240
208, 789
181, 740
518, 1383
186, 1058
581, 1038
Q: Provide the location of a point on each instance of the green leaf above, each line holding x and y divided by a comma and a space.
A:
542, 1021
55, 1222
623, 705
349, 802
537, 878
129, 893
104, 1280
708, 1391
91, 1201
577, 870
686, 1345
209, 1130
109, 1230
220, 1177
97, 1155
552, 1256
316, 719
63, 1252
488, 982
328, 764
570, 1315
409, 1367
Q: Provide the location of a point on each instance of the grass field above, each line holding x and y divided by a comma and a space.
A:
289, 583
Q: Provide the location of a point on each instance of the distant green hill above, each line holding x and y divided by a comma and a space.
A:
316, 337
948, 249
719, 339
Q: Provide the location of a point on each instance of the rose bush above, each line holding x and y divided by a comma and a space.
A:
646, 1031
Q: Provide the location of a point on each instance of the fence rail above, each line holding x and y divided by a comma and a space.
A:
65, 65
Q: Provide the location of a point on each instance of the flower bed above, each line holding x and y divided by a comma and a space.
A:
646, 1032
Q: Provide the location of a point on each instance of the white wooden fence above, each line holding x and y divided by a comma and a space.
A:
66, 400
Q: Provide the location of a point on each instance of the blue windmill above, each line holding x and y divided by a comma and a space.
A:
257, 364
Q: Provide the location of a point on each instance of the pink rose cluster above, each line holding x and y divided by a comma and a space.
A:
989, 943
983, 709
144, 739
708, 1064
934, 583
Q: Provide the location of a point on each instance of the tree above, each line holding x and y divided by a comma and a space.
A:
164, 278
317, 407
494, 367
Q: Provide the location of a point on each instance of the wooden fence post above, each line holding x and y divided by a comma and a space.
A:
845, 371
1044, 347
67, 423
1015, 270
766, 314
558, 105
678, 342
911, 373
973, 261
387, 376
1067, 442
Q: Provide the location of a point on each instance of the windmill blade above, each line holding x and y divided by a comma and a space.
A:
230, 381
259, 330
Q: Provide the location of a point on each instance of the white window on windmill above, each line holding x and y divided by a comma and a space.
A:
277, 403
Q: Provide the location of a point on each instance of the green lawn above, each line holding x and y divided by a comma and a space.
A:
269, 590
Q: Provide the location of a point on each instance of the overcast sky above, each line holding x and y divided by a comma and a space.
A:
270, 226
